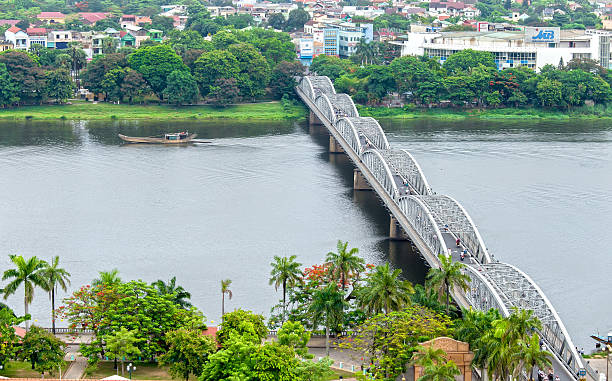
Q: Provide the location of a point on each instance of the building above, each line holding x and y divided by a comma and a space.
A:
127, 39
5, 45
533, 47
37, 36
17, 37
156, 35
90, 18
52, 17
331, 42
59, 39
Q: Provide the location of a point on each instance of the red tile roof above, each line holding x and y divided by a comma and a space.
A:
50, 15
36, 31
9, 22
21, 332
93, 17
13, 29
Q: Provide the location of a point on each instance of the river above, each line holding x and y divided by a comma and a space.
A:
540, 194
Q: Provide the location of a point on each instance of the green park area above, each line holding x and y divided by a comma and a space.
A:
82, 110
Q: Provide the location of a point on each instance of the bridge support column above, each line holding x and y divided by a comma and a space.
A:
313, 120
334, 146
396, 232
359, 182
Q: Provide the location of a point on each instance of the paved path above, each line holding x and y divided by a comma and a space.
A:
78, 363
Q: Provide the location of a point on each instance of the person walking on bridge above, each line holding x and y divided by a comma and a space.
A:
458, 242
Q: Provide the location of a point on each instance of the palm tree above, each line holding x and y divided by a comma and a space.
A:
426, 356
107, 278
327, 306
27, 272
344, 263
225, 290
520, 324
532, 355
286, 273
440, 372
365, 51
473, 328
55, 277
501, 355
384, 290
445, 278
178, 293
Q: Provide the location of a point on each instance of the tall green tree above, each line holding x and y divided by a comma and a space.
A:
296, 20
56, 278
241, 323
285, 273
465, 60
440, 372
8, 88
188, 351
532, 355
212, 66
27, 75
225, 290
327, 307
122, 344
27, 272
384, 291
448, 276
345, 263
45, 351
181, 88
178, 294
425, 356
155, 63
107, 278
59, 85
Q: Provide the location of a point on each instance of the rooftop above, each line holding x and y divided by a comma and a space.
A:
50, 15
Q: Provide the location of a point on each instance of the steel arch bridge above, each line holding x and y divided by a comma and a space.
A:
434, 221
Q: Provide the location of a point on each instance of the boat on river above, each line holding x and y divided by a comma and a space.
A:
172, 138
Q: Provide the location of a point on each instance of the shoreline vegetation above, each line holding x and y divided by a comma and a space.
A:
274, 110
79, 110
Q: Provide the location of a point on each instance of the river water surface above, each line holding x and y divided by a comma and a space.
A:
540, 193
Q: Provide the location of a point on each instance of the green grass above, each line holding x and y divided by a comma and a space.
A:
22, 369
596, 112
144, 371
338, 373
83, 110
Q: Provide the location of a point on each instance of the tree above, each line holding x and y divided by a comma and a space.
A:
293, 334
26, 74
385, 291
549, 92
182, 88
276, 21
10, 340
388, 341
183, 40
283, 76
440, 372
155, 63
56, 277
345, 263
296, 20
45, 351
286, 273
253, 75
187, 353
133, 85
532, 355
99, 67
474, 328
225, 284
122, 344
327, 307
28, 272
465, 60
427, 356
59, 85
224, 92
212, 66
365, 52
166, 24
242, 323
107, 278
8, 88
448, 276
178, 293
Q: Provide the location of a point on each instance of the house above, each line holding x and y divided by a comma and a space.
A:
127, 39
97, 43
90, 18
110, 32
156, 35
59, 39
52, 17
5, 45
37, 36
127, 20
138, 33
548, 13
17, 37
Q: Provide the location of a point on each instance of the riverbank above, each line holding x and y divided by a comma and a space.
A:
83, 110
597, 112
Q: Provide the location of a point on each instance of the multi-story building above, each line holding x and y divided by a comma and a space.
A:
5, 45
17, 37
59, 39
331, 41
533, 47
37, 36
52, 17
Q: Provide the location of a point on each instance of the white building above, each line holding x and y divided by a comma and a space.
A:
17, 37
512, 49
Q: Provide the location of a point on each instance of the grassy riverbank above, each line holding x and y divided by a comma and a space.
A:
83, 110
597, 112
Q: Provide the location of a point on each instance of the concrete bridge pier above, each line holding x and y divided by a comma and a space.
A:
359, 182
315, 126
334, 146
313, 120
396, 233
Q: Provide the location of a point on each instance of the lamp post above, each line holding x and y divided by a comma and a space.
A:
130, 369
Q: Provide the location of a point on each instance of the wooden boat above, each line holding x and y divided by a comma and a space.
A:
174, 138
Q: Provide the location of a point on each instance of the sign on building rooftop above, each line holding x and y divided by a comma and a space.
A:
542, 34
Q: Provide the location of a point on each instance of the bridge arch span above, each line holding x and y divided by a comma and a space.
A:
408, 168
347, 129
306, 86
483, 295
371, 131
451, 215
336, 106
314, 86
381, 171
423, 222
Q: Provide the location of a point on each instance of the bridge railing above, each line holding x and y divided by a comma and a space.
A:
422, 222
